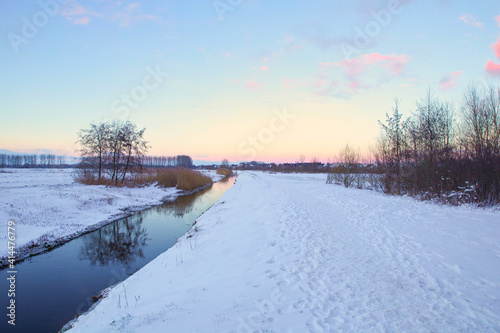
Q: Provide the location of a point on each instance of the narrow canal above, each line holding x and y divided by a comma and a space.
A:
53, 287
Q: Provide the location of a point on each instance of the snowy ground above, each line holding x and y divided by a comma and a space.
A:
285, 253
47, 205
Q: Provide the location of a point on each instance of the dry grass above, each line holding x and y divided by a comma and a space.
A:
189, 180
224, 171
184, 179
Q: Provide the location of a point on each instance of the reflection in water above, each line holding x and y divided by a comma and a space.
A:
180, 206
119, 242
123, 241
184, 204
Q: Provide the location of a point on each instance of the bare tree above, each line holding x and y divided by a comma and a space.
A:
392, 144
348, 159
134, 145
111, 148
480, 133
94, 144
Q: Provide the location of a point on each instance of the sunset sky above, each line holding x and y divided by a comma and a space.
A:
244, 80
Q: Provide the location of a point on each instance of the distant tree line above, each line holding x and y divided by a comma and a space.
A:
110, 150
31, 161
167, 161
437, 152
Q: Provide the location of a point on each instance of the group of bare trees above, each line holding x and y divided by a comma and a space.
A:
439, 152
110, 150
31, 161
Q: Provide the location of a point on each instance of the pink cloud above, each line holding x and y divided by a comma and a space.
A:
264, 68
496, 48
79, 14
253, 85
364, 72
448, 81
394, 65
493, 68
83, 20
469, 19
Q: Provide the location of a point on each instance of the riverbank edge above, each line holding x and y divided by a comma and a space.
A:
30, 250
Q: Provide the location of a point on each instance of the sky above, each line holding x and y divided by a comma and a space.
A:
238, 79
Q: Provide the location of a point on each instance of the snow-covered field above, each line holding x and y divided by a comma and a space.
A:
285, 253
47, 205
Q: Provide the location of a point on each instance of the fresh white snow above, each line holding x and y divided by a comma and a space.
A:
48, 205
288, 253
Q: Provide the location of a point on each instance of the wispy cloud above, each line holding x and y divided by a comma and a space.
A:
287, 46
78, 14
469, 19
253, 85
123, 14
351, 76
130, 14
82, 20
448, 81
75, 11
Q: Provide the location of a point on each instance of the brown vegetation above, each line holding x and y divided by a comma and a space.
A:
224, 171
182, 178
